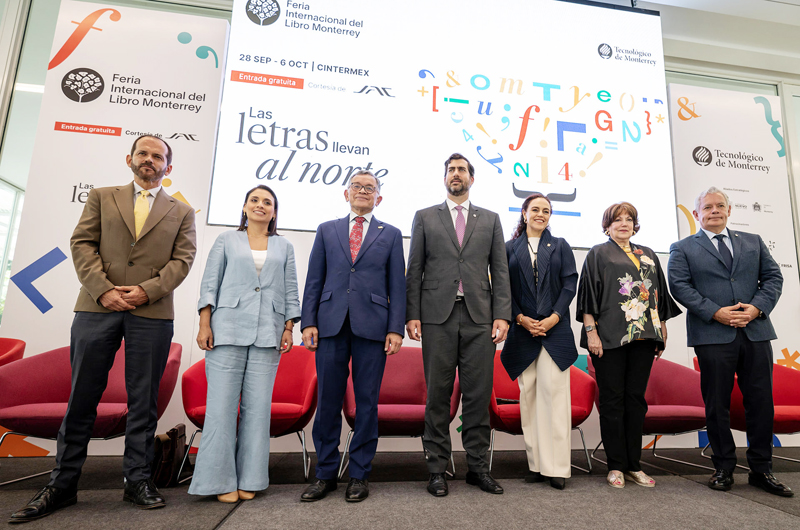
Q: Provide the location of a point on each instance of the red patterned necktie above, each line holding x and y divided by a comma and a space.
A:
461, 227
356, 235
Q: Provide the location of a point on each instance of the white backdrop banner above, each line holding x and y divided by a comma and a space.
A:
315, 90
733, 140
115, 73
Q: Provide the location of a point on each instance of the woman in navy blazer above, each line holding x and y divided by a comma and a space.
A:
540, 346
248, 306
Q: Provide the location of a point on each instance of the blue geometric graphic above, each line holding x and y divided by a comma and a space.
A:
24, 279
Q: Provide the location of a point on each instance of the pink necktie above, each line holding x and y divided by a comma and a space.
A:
461, 227
356, 235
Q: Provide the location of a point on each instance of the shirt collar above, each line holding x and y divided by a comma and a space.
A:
367, 217
451, 205
711, 234
137, 189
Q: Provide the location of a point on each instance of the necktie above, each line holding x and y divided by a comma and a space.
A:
356, 235
140, 211
724, 251
461, 227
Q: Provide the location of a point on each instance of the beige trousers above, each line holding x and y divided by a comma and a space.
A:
546, 413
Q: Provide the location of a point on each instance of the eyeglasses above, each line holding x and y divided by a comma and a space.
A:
358, 187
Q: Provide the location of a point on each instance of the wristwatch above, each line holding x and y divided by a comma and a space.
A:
590, 328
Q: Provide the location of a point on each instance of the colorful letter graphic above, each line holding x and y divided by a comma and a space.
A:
80, 32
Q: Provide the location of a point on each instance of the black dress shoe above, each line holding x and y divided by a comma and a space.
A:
558, 483
534, 476
437, 485
485, 482
318, 489
45, 502
357, 490
768, 483
143, 494
721, 480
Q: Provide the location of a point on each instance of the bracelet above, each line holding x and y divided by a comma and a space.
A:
288, 329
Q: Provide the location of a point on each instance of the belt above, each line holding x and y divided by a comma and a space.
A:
459, 298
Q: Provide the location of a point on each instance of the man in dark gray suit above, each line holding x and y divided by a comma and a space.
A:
454, 246
730, 284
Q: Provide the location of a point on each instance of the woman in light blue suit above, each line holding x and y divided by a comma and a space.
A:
248, 306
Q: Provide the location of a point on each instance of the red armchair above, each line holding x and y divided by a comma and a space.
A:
11, 350
294, 399
505, 417
401, 402
36, 392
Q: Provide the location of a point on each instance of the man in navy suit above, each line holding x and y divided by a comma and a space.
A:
730, 284
354, 307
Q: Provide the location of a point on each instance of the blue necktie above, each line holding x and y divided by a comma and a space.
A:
724, 252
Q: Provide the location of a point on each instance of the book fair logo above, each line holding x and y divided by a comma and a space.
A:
82, 85
263, 12
604, 50
702, 156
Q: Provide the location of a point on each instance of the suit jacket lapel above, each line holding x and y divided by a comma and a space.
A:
736, 243
372, 234
123, 196
447, 221
161, 205
524, 258
343, 231
705, 242
473, 216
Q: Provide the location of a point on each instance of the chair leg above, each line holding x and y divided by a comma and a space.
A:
186, 458
597, 459
586, 452
2, 438
491, 452
655, 441
704, 455
452, 463
306, 459
345, 460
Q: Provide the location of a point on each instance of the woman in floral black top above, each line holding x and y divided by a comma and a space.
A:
624, 304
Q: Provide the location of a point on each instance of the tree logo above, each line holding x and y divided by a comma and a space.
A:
604, 50
263, 12
702, 155
82, 85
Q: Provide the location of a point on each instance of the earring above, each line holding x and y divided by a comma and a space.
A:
606, 232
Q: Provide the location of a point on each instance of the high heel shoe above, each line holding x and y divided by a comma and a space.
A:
229, 498
246, 495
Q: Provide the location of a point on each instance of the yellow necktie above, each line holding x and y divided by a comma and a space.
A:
140, 211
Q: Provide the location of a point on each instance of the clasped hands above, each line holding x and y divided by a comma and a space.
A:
123, 298
737, 316
537, 328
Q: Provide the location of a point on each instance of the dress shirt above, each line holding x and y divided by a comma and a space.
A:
150, 198
367, 218
715, 242
453, 212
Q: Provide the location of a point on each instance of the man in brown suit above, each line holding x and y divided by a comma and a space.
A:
133, 246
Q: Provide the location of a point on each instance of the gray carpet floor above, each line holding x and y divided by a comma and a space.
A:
398, 499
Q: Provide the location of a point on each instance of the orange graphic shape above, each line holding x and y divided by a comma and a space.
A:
690, 218
789, 361
648, 446
80, 32
15, 445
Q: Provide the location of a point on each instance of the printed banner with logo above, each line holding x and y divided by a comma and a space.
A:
561, 98
115, 73
734, 141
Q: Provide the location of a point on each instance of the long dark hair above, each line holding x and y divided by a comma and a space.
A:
272, 228
522, 225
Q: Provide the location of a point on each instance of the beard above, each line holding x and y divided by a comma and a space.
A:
457, 189
155, 176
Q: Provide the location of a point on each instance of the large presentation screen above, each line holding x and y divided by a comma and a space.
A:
562, 98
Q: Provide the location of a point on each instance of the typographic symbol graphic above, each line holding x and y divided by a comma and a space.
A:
685, 113
82, 85
596, 159
177, 195
604, 50
423, 74
263, 12
689, 218
479, 126
381, 91
24, 279
789, 361
80, 32
202, 52
702, 156
773, 123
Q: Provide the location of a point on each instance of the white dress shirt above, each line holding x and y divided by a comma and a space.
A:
453, 212
367, 218
259, 258
715, 242
150, 198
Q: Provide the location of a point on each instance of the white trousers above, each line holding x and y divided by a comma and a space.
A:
546, 413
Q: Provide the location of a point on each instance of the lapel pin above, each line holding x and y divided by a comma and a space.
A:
380, 227
548, 244
474, 215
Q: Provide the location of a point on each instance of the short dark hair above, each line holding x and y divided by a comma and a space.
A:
369, 174
522, 226
272, 228
169, 149
459, 156
615, 210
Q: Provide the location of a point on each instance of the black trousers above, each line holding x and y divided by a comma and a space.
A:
458, 343
94, 342
752, 362
622, 375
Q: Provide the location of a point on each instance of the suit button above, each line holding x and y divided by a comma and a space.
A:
348, 290
352, 270
258, 289
733, 279
132, 244
130, 264
461, 261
